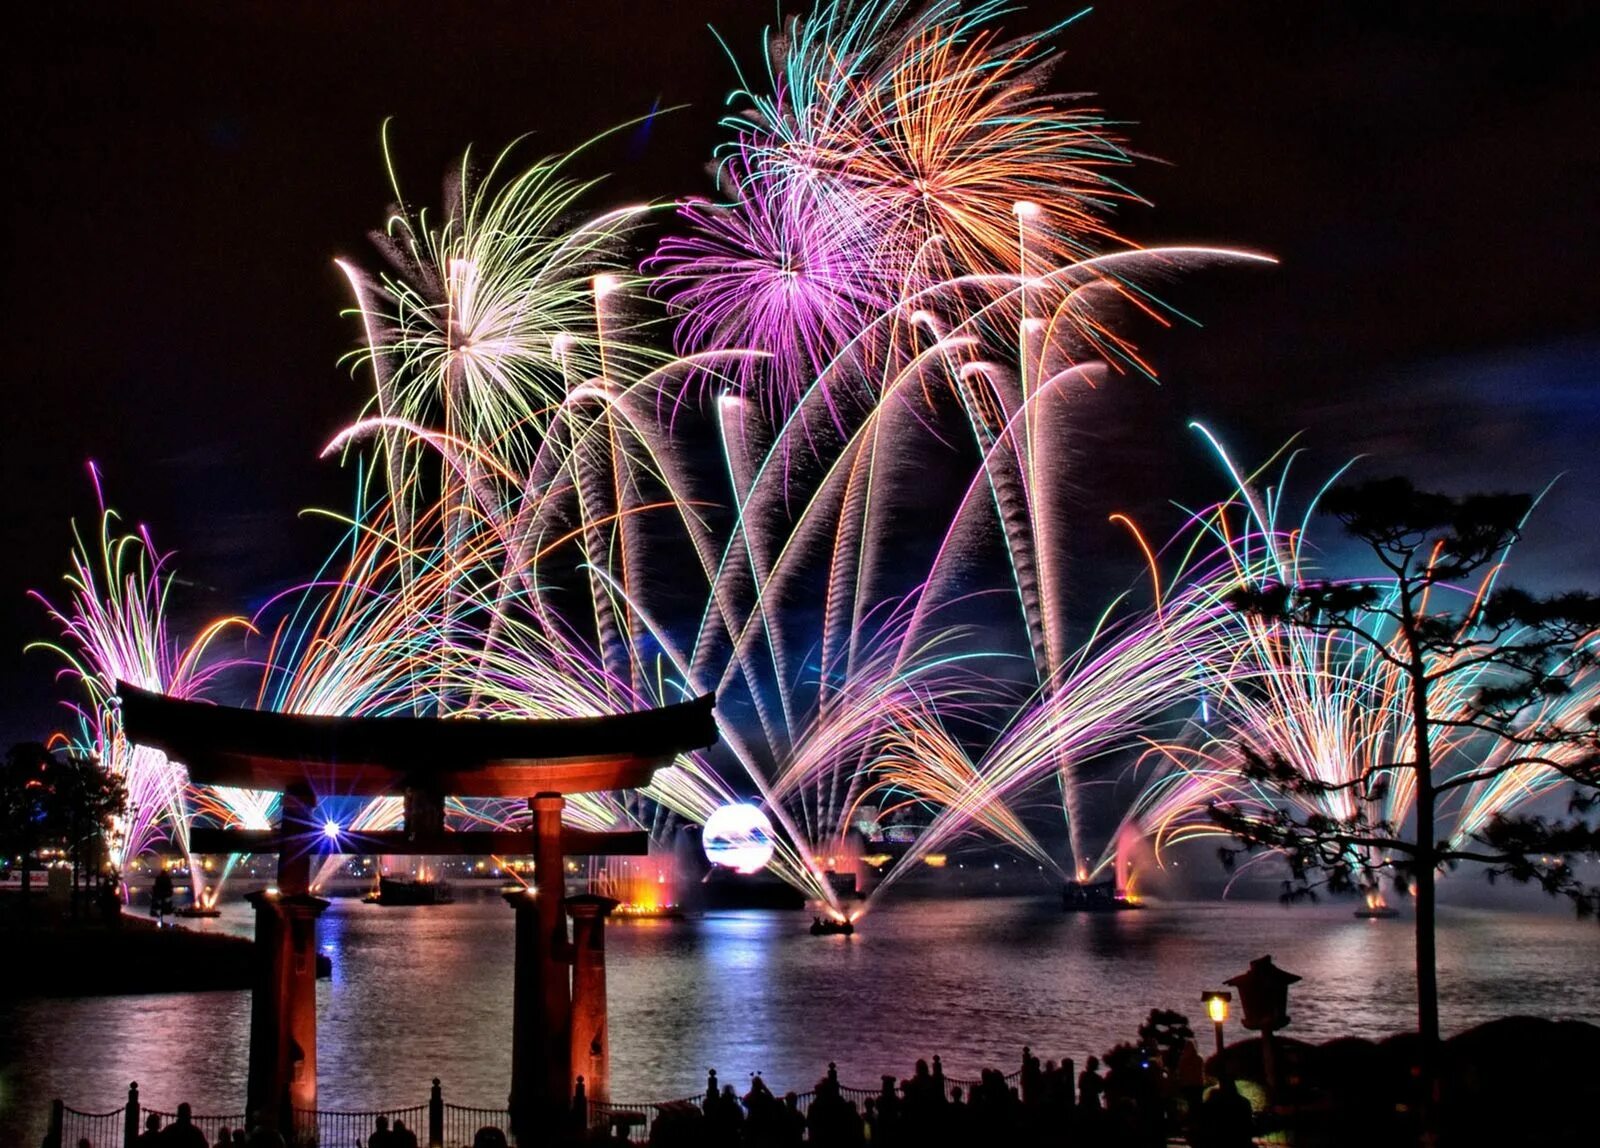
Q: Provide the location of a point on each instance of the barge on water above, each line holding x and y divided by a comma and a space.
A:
393, 891
1096, 897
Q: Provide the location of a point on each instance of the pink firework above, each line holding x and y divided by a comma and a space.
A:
787, 274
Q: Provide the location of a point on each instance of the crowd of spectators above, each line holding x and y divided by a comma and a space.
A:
1146, 1098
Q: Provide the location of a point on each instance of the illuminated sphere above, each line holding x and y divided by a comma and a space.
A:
738, 837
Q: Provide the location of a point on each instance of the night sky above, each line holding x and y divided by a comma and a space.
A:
180, 177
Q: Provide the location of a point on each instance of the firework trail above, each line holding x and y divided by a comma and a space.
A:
475, 326
886, 151
113, 626
914, 163
1333, 707
570, 482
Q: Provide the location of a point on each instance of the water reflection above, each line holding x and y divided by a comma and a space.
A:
426, 992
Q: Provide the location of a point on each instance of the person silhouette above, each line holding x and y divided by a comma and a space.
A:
151, 1136
182, 1133
161, 897
1191, 1076
403, 1137
381, 1136
1091, 1086
1226, 1118
794, 1121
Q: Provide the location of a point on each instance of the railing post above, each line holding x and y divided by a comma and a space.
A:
52, 1138
130, 1117
435, 1115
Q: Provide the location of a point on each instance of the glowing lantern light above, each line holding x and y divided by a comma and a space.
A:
1216, 1004
738, 837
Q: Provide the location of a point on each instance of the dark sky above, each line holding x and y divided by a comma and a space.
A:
179, 177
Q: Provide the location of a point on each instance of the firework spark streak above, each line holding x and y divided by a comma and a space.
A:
1331, 706
114, 627
888, 151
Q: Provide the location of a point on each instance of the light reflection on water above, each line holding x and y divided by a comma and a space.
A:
426, 992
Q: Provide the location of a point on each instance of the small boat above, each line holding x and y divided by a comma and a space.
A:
193, 911
1096, 897
631, 912
406, 891
1374, 909
831, 928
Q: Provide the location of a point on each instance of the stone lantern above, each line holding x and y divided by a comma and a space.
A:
1264, 995
1264, 999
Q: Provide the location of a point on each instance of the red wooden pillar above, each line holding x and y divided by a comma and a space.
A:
283, 1004
541, 991
283, 1007
591, 1042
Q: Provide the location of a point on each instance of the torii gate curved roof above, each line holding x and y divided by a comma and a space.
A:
377, 756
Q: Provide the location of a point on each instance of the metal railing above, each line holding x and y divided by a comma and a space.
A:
459, 1126
120, 1127
321, 1128
316, 1128
435, 1123
210, 1125
71, 1127
634, 1123
620, 1122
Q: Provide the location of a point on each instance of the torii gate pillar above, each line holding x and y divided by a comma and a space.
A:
283, 1004
283, 1008
541, 1001
591, 1042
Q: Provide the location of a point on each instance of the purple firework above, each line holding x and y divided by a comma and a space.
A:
783, 272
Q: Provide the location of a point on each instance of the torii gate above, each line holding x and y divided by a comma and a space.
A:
558, 1023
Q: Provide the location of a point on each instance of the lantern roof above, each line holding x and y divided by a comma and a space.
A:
1263, 971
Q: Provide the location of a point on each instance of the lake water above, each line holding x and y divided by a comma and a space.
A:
426, 992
